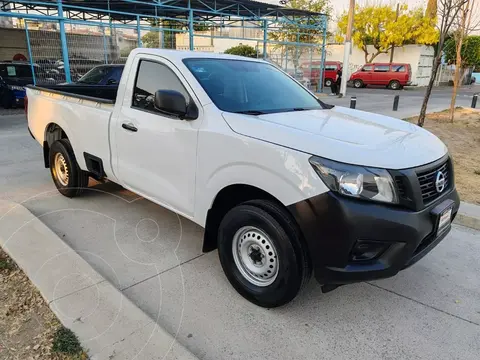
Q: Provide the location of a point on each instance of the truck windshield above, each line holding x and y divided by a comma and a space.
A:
250, 87
95, 76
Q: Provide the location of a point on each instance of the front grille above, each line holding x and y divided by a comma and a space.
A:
427, 182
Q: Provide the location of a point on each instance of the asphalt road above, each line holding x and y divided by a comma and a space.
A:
429, 311
380, 100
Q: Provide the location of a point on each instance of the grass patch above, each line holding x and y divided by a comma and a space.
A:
6, 264
66, 342
27, 325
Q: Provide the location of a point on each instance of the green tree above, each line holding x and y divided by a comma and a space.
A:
243, 50
470, 51
378, 25
151, 40
294, 32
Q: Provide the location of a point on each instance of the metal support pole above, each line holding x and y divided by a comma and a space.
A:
265, 37
395, 102
63, 40
29, 48
311, 61
105, 51
322, 65
139, 34
393, 46
286, 57
474, 101
295, 63
353, 102
347, 50
190, 29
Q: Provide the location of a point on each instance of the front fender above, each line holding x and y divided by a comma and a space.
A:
292, 182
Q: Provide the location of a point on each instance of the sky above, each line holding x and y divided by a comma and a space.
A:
340, 5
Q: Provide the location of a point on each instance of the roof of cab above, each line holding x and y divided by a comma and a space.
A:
179, 55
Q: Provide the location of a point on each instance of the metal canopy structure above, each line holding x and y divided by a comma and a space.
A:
129, 9
302, 29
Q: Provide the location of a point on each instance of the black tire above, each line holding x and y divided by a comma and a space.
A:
328, 82
294, 266
394, 85
7, 101
357, 84
77, 178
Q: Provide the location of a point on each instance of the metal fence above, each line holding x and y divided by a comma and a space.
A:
62, 45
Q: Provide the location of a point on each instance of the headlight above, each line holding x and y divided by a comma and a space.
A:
356, 181
16, 87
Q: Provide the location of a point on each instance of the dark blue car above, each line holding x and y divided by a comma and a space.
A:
102, 75
13, 78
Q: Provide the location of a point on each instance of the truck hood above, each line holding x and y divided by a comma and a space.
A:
345, 135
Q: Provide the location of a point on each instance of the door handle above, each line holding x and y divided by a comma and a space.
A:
129, 127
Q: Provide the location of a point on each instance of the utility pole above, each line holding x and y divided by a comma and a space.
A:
393, 45
347, 50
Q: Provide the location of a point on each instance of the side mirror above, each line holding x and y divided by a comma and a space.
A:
174, 103
111, 82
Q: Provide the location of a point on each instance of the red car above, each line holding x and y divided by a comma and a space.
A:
394, 76
312, 71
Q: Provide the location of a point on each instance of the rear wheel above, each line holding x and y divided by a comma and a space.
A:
262, 254
69, 179
394, 85
358, 84
6, 101
328, 82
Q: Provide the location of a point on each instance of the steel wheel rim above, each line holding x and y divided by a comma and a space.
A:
61, 169
255, 256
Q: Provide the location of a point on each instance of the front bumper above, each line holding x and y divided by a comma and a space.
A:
19, 97
332, 225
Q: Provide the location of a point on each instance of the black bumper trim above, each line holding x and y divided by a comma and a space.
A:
331, 225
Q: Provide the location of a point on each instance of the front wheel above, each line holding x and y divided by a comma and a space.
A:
262, 253
328, 82
357, 84
67, 176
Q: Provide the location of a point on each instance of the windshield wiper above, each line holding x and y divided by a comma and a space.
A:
250, 112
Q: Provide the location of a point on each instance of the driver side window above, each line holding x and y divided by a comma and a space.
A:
151, 77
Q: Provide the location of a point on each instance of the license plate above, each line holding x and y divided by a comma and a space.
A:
444, 221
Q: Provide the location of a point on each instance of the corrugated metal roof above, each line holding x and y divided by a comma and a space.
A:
145, 7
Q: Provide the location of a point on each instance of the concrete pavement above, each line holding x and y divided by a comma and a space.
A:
108, 325
429, 311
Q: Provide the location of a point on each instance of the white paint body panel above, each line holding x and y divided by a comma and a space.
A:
183, 165
85, 122
345, 135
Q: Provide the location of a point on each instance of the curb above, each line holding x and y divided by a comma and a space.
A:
108, 324
468, 215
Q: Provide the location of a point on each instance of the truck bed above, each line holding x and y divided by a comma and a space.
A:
99, 93
85, 119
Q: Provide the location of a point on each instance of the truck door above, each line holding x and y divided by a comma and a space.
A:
156, 153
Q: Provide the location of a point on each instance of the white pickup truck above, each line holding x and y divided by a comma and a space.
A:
284, 185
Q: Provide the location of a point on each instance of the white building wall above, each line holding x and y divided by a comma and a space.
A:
419, 57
